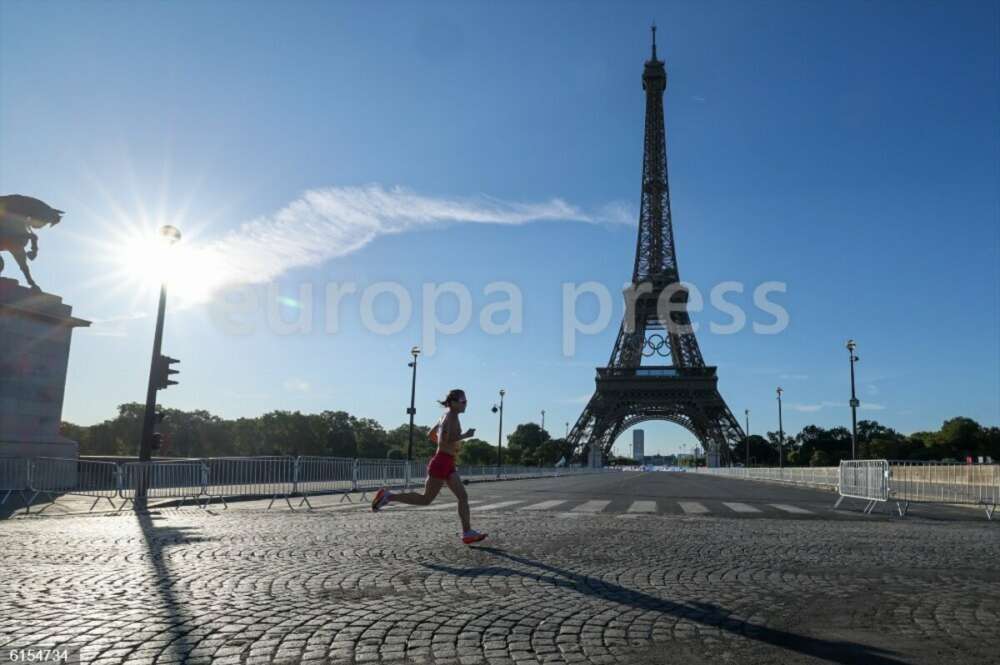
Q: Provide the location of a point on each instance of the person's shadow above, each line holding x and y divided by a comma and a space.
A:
707, 614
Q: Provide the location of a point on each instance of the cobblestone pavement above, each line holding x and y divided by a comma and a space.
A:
347, 586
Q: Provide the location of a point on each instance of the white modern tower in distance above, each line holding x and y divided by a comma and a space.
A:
638, 441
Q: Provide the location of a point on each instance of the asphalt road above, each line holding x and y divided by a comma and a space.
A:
599, 569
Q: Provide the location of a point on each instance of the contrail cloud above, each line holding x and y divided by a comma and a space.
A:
327, 223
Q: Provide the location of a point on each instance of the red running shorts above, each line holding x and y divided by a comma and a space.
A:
441, 466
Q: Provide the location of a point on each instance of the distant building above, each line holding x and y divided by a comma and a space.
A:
638, 444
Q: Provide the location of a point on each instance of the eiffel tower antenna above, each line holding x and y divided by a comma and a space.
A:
656, 324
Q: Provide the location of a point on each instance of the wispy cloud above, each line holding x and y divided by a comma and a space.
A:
297, 385
826, 404
324, 224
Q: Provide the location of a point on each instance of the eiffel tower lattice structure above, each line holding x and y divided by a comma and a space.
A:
656, 325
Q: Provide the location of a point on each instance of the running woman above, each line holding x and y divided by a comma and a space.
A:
441, 469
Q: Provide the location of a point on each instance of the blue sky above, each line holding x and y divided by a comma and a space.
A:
848, 150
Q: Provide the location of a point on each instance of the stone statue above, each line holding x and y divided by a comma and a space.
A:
19, 215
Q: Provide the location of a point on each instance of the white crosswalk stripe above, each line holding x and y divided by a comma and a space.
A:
494, 506
544, 505
642, 507
445, 505
740, 507
591, 507
692, 507
792, 509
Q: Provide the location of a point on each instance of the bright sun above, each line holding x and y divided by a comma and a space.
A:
142, 258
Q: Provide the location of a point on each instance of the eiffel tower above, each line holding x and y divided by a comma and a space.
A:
656, 324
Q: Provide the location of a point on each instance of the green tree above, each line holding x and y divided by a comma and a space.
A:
340, 438
477, 451
523, 443
371, 438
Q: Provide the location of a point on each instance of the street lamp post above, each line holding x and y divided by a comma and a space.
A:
781, 434
746, 412
500, 431
413, 394
158, 374
851, 345
543, 420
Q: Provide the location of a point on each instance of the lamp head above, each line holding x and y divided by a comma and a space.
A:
502, 392
851, 345
415, 351
169, 234
779, 391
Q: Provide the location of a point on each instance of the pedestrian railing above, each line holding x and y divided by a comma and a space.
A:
14, 478
821, 476
245, 477
880, 481
864, 479
162, 480
934, 482
325, 475
203, 480
52, 476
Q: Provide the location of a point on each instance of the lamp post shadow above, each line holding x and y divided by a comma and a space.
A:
157, 539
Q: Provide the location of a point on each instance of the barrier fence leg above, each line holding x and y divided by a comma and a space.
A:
836, 505
902, 507
108, 498
990, 508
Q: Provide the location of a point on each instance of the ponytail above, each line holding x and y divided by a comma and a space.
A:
452, 396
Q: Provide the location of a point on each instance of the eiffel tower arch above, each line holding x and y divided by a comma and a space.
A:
656, 326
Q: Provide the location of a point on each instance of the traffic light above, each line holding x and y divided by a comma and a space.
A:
157, 440
164, 371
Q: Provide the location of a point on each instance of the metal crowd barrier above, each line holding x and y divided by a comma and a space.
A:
934, 482
52, 475
374, 474
864, 479
324, 475
202, 480
14, 478
265, 476
822, 476
180, 480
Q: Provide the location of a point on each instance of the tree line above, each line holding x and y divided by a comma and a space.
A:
956, 440
329, 433
339, 434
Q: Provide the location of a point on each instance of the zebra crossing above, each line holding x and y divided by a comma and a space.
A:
623, 508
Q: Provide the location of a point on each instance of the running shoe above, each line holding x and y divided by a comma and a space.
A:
381, 498
470, 537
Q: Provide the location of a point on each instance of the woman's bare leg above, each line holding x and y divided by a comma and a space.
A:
458, 489
431, 488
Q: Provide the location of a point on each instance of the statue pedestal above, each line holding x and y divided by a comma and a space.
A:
35, 331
